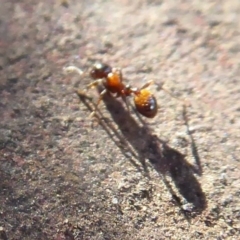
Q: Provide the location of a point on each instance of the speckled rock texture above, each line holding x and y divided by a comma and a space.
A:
66, 176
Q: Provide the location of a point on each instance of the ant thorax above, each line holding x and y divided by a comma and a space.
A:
113, 83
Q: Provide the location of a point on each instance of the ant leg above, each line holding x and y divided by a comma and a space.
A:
118, 71
147, 84
160, 87
94, 84
125, 99
98, 102
185, 103
91, 85
71, 69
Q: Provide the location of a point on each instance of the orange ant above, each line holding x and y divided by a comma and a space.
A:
112, 80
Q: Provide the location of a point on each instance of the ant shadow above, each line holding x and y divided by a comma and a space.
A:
137, 143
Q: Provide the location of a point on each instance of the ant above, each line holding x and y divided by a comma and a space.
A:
112, 80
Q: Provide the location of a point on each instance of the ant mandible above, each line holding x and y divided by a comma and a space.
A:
112, 80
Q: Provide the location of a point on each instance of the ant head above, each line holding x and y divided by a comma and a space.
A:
100, 70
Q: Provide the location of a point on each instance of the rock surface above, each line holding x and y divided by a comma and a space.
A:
64, 176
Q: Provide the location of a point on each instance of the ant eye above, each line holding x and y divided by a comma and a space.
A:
100, 70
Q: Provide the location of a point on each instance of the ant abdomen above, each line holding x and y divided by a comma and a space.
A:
100, 70
146, 103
